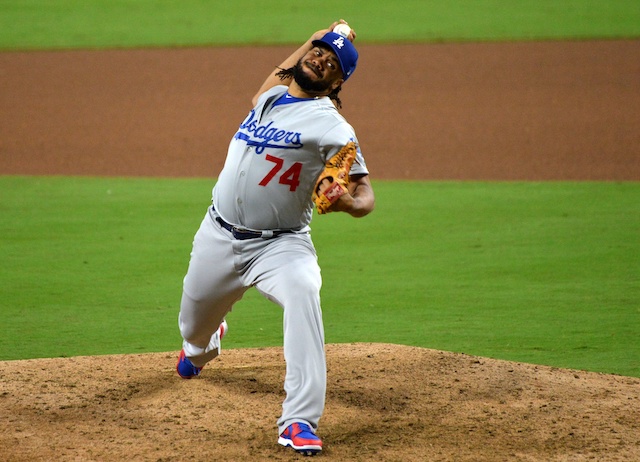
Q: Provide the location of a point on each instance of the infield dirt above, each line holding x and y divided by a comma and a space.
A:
514, 111
510, 111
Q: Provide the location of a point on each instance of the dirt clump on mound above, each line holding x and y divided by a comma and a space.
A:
384, 403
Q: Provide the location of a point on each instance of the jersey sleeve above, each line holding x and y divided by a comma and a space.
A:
338, 137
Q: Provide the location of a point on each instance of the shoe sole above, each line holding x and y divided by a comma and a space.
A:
304, 450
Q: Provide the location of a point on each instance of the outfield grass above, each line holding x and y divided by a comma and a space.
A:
44, 24
544, 273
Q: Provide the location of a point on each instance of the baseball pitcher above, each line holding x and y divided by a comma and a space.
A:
294, 151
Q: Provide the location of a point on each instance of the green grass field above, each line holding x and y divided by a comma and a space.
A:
546, 273
536, 272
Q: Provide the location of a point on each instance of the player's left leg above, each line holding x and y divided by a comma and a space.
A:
288, 274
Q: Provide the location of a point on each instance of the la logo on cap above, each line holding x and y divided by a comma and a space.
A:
339, 42
344, 50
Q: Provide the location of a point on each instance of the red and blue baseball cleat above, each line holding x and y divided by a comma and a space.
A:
186, 369
301, 438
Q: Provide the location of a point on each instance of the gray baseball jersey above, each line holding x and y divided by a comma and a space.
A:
274, 159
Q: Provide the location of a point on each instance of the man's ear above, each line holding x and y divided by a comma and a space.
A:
336, 84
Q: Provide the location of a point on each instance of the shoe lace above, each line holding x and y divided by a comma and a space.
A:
304, 428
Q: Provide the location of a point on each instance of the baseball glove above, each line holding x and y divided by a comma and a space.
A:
333, 182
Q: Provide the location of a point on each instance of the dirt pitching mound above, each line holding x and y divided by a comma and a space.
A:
384, 403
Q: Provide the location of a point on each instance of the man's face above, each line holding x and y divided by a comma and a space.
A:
318, 71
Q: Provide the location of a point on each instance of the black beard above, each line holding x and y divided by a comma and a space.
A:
306, 83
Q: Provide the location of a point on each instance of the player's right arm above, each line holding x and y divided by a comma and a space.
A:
273, 80
360, 200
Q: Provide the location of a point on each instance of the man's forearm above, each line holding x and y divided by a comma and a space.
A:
359, 202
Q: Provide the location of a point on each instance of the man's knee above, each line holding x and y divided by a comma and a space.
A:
306, 282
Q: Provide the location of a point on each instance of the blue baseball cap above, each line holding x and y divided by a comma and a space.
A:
344, 50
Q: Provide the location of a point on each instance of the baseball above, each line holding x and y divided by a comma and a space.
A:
342, 29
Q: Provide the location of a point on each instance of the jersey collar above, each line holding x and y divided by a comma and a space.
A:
288, 99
